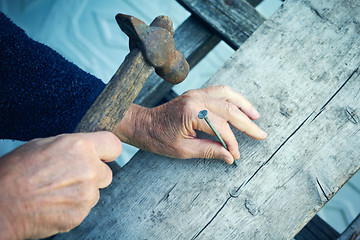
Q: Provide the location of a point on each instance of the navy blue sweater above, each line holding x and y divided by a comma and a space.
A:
41, 93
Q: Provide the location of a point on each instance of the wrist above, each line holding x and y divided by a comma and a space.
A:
133, 127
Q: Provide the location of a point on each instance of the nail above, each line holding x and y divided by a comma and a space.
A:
263, 134
255, 113
234, 193
236, 162
203, 115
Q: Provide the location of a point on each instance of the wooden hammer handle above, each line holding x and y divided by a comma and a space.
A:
113, 102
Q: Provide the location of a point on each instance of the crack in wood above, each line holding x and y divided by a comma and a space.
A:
244, 183
167, 194
195, 198
317, 13
198, 233
282, 144
331, 98
322, 189
277, 150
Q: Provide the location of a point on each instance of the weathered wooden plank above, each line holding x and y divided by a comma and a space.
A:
321, 154
310, 166
301, 70
233, 20
352, 232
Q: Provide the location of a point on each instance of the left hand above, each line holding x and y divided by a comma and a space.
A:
169, 129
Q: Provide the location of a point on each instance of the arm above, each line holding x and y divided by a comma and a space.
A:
42, 94
46, 95
49, 185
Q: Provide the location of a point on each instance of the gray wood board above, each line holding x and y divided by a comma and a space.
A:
301, 70
233, 20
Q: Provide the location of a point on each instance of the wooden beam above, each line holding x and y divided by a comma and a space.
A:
233, 20
301, 70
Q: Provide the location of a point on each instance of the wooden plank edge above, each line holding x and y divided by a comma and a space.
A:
241, 7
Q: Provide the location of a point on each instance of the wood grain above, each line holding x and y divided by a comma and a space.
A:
301, 70
233, 20
113, 102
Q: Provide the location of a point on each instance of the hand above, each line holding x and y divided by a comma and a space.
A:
49, 185
169, 129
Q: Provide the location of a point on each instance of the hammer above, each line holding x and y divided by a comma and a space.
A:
151, 48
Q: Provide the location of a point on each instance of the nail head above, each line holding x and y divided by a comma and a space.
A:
202, 114
234, 193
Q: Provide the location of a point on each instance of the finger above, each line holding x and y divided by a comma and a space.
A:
95, 197
235, 117
224, 130
227, 93
104, 174
205, 148
107, 145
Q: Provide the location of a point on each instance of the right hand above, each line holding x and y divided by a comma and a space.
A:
49, 185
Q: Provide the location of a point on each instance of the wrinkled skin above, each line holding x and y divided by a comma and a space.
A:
49, 185
169, 129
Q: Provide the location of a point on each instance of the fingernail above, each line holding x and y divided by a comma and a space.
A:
227, 159
263, 134
255, 113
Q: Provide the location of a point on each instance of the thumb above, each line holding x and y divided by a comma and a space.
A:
107, 145
205, 148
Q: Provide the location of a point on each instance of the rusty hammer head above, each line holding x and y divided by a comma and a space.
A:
157, 45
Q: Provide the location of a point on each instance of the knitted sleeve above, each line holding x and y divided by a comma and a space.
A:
41, 93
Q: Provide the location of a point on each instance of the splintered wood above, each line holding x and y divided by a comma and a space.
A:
301, 70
